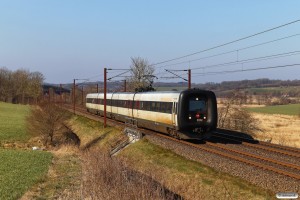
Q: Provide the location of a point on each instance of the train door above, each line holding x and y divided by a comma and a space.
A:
174, 112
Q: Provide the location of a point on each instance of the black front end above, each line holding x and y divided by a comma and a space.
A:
197, 111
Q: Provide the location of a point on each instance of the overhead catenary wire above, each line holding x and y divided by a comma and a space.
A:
227, 43
269, 57
274, 56
243, 70
232, 51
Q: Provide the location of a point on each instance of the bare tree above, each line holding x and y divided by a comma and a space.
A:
20, 82
141, 75
5, 86
35, 85
46, 120
233, 117
20, 86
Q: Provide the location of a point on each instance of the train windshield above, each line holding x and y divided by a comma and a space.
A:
197, 105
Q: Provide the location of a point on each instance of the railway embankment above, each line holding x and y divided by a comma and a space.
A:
177, 173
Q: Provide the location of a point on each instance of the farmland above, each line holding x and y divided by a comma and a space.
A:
12, 122
19, 169
291, 109
279, 124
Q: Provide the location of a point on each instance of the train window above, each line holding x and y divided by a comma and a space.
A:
197, 105
89, 100
163, 107
152, 106
129, 104
157, 106
148, 105
169, 107
136, 105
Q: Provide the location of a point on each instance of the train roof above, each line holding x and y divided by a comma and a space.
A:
155, 92
154, 95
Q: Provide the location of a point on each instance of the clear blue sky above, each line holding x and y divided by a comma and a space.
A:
67, 39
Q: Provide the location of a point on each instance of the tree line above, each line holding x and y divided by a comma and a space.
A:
244, 84
20, 86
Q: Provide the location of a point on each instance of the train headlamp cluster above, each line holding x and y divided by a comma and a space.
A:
198, 116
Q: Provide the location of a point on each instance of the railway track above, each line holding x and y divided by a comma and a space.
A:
288, 151
284, 168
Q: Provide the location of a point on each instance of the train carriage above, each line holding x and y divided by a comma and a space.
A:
185, 114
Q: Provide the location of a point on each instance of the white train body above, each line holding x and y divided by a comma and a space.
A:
159, 111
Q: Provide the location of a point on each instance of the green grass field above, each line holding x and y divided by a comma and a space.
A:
291, 109
274, 89
20, 170
12, 122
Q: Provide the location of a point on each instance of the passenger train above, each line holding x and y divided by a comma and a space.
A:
184, 114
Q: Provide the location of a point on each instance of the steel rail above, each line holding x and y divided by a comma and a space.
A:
227, 155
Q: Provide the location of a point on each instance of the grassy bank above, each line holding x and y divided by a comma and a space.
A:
291, 109
190, 179
187, 178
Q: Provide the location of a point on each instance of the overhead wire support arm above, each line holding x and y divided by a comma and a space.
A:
176, 74
119, 75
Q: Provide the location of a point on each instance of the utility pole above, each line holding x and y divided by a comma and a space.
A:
189, 78
104, 101
125, 85
60, 93
82, 94
49, 95
74, 96
97, 88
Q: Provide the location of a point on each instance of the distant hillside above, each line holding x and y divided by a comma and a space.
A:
244, 84
217, 87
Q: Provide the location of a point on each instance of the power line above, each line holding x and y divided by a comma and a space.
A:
227, 43
99, 75
269, 57
244, 70
232, 51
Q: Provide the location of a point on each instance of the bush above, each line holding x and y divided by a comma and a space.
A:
108, 178
234, 117
47, 120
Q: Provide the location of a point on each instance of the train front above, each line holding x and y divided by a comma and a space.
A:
197, 113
